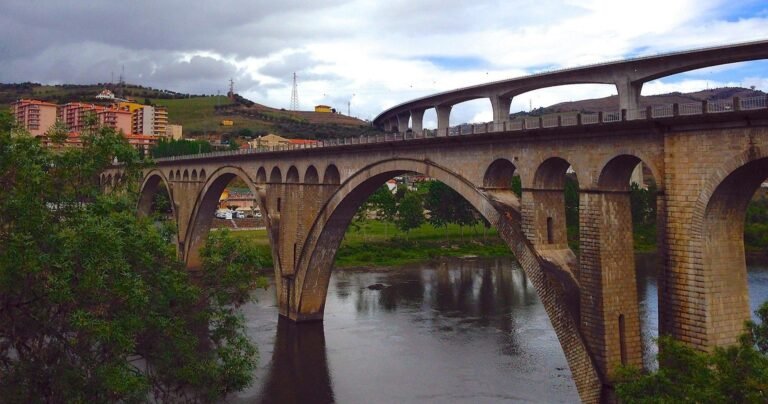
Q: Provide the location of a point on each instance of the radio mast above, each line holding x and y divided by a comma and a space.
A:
294, 95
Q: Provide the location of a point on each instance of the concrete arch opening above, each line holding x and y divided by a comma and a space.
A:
311, 176
208, 202
303, 298
261, 175
275, 177
331, 175
724, 261
468, 112
292, 176
170, 175
155, 197
499, 174
185, 177
203, 175
194, 175
554, 200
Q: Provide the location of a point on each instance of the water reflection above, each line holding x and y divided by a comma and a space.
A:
456, 331
298, 371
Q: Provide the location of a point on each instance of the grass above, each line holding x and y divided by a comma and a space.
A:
198, 114
375, 243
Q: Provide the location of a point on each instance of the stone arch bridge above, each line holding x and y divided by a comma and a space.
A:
706, 168
707, 159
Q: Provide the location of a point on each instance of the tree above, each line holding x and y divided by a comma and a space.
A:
735, 374
94, 305
383, 203
169, 148
410, 212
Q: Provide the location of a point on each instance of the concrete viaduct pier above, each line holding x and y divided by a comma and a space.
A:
707, 160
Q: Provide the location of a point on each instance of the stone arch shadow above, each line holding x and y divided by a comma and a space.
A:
306, 299
719, 218
205, 205
149, 186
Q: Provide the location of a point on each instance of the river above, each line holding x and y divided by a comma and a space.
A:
461, 330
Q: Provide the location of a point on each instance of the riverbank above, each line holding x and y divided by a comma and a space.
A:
379, 244
375, 243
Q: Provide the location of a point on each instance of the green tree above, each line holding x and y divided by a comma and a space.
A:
736, 374
181, 147
94, 306
410, 212
383, 203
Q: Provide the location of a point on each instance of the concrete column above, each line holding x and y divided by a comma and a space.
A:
500, 107
443, 117
610, 320
402, 121
417, 120
629, 94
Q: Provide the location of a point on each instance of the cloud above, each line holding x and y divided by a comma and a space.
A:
371, 55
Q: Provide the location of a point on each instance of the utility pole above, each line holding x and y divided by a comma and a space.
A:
294, 95
349, 105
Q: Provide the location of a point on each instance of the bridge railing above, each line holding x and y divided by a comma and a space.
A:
518, 124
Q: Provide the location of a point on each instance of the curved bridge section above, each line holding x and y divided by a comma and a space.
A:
627, 75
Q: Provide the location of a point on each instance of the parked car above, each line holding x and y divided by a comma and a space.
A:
257, 214
238, 214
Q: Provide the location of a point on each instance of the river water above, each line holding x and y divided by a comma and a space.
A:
461, 330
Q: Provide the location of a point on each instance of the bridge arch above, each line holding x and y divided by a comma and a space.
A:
205, 205
306, 299
311, 176
261, 175
719, 213
194, 175
499, 174
275, 177
170, 175
331, 175
149, 188
185, 176
292, 176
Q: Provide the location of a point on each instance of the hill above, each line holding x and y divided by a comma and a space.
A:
612, 102
201, 114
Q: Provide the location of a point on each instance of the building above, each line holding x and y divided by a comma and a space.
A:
147, 119
34, 116
161, 121
174, 132
274, 140
323, 108
74, 114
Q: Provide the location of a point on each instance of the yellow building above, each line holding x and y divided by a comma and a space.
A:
174, 132
323, 108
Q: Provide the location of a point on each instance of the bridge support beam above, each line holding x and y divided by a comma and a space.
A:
500, 107
417, 120
443, 119
610, 320
402, 121
629, 94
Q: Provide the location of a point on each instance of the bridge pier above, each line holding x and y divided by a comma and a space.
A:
417, 120
500, 106
610, 319
402, 121
443, 119
629, 94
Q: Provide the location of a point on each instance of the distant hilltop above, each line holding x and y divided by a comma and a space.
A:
199, 114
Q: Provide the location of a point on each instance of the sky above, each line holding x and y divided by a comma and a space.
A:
365, 56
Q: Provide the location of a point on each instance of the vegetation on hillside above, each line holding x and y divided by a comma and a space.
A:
94, 305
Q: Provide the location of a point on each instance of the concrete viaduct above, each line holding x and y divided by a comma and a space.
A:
707, 159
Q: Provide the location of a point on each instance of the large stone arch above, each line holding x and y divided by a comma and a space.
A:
306, 296
205, 206
721, 293
149, 187
622, 156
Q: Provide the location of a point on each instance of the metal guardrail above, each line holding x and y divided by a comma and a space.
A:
527, 123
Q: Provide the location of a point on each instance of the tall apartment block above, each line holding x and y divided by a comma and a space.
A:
34, 116
74, 114
147, 119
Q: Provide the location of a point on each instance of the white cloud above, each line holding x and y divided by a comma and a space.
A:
375, 54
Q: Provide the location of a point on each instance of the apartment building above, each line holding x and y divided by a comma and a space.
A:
34, 116
149, 120
74, 114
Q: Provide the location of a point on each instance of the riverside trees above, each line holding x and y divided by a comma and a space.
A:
94, 305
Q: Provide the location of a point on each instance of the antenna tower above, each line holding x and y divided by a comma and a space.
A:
294, 95
231, 93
